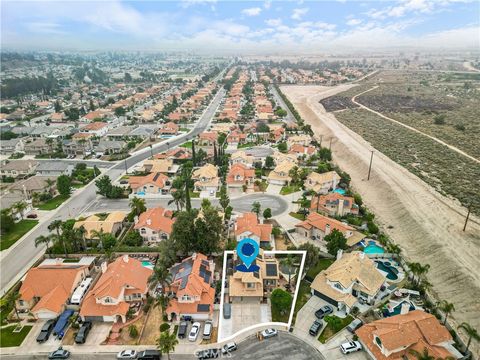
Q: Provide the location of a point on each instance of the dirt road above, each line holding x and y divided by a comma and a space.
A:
427, 225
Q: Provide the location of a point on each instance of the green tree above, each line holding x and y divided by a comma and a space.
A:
137, 206
282, 147
447, 308
335, 241
289, 264
178, 197
44, 240
280, 112
281, 301
120, 111
471, 332
10, 301
133, 331
312, 254
325, 154
256, 208
64, 185
267, 213
269, 162
183, 231
224, 199
133, 238
166, 343
104, 185
6, 221
19, 207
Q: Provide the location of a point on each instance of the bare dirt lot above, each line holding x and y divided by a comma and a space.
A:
426, 224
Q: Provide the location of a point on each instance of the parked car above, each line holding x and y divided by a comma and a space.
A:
60, 353
350, 347
354, 325
227, 311
32, 216
268, 333
192, 336
149, 355
82, 334
46, 331
229, 347
207, 330
208, 354
127, 354
182, 329
323, 311
316, 327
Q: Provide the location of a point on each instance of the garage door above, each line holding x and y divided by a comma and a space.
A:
94, 318
326, 298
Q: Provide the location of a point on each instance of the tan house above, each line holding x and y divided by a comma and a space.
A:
395, 337
241, 157
280, 175
155, 225
112, 224
253, 287
206, 178
303, 139
164, 166
18, 168
123, 283
207, 139
322, 183
351, 277
37, 147
35, 185
169, 128
46, 289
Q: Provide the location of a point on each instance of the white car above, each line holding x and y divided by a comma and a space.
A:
192, 336
127, 354
350, 347
268, 333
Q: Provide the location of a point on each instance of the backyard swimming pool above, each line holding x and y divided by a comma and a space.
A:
340, 191
392, 272
373, 248
397, 309
147, 264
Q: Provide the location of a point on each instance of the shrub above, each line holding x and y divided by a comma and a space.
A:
164, 327
133, 331
372, 227
439, 119
133, 238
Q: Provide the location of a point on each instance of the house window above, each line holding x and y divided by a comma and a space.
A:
143, 231
21, 302
186, 298
338, 286
250, 285
108, 300
378, 341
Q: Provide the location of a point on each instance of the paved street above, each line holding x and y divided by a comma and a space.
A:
240, 204
24, 254
282, 104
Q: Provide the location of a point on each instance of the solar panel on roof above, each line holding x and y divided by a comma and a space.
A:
271, 269
207, 278
256, 274
205, 262
184, 282
156, 176
203, 307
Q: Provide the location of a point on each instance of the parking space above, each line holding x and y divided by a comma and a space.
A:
245, 315
97, 334
30, 343
189, 328
331, 350
306, 316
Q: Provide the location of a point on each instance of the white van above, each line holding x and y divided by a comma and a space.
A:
207, 330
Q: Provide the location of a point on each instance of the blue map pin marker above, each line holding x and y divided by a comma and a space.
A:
247, 251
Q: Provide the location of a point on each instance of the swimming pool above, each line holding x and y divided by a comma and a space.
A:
340, 191
397, 309
373, 248
392, 273
142, 193
147, 264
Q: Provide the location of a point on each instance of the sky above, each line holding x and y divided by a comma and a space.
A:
239, 27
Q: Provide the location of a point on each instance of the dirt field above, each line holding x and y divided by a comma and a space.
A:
427, 225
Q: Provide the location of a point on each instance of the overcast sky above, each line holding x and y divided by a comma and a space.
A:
240, 26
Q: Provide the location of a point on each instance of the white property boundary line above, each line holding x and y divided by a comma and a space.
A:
222, 296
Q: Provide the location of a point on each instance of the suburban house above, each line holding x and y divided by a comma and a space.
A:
54, 168
155, 224
301, 150
18, 168
176, 155
11, 146
109, 147
317, 226
353, 278
192, 288
37, 146
279, 158
334, 204
247, 225
164, 166
96, 128
322, 183
394, 337
154, 183
123, 283
9, 199
207, 139
46, 289
303, 139
169, 128
239, 176
280, 175
241, 157
112, 224
206, 178
35, 184
236, 137
253, 287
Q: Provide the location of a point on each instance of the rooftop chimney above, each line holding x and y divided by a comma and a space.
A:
104, 267
125, 258
339, 254
149, 221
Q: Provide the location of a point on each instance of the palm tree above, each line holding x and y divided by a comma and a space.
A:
45, 240
50, 183
289, 263
35, 197
186, 176
178, 197
256, 208
19, 207
11, 301
82, 232
137, 205
161, 275
471, 332
424, 355
166, 343
294, 174
57, 225
99, 235
419, 271
447, 308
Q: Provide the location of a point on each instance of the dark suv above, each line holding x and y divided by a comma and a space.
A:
46, 331
149, 355
81, 336
315, 328
182, 330
323, 311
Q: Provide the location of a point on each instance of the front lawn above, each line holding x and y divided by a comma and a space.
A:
297, 216
194, 194
290, 189
334, 325
8, 338
19, 229
281, 304
187, 145
302, 298
322, 264
53, 203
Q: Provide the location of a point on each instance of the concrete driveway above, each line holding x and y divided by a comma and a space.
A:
331, 350
97, 334
306, 317
245, 315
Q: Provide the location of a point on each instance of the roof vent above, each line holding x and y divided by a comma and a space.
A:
149, 221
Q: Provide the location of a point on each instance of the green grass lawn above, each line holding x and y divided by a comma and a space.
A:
302, 298
281, 314
290, 189
297, 216
334, 325
78, 186
52, 203
8, 338
194, 194
187, 145
246, 145
322, 264
19, 229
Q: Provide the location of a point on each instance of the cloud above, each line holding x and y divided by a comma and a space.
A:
252, 11
273, 22
45, 28
267, 4
187, 3
406, 7
299, 13
354, 22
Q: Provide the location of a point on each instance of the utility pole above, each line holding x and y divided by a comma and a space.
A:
151, 151
370, 166
321, 138
468, 216
126, 168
